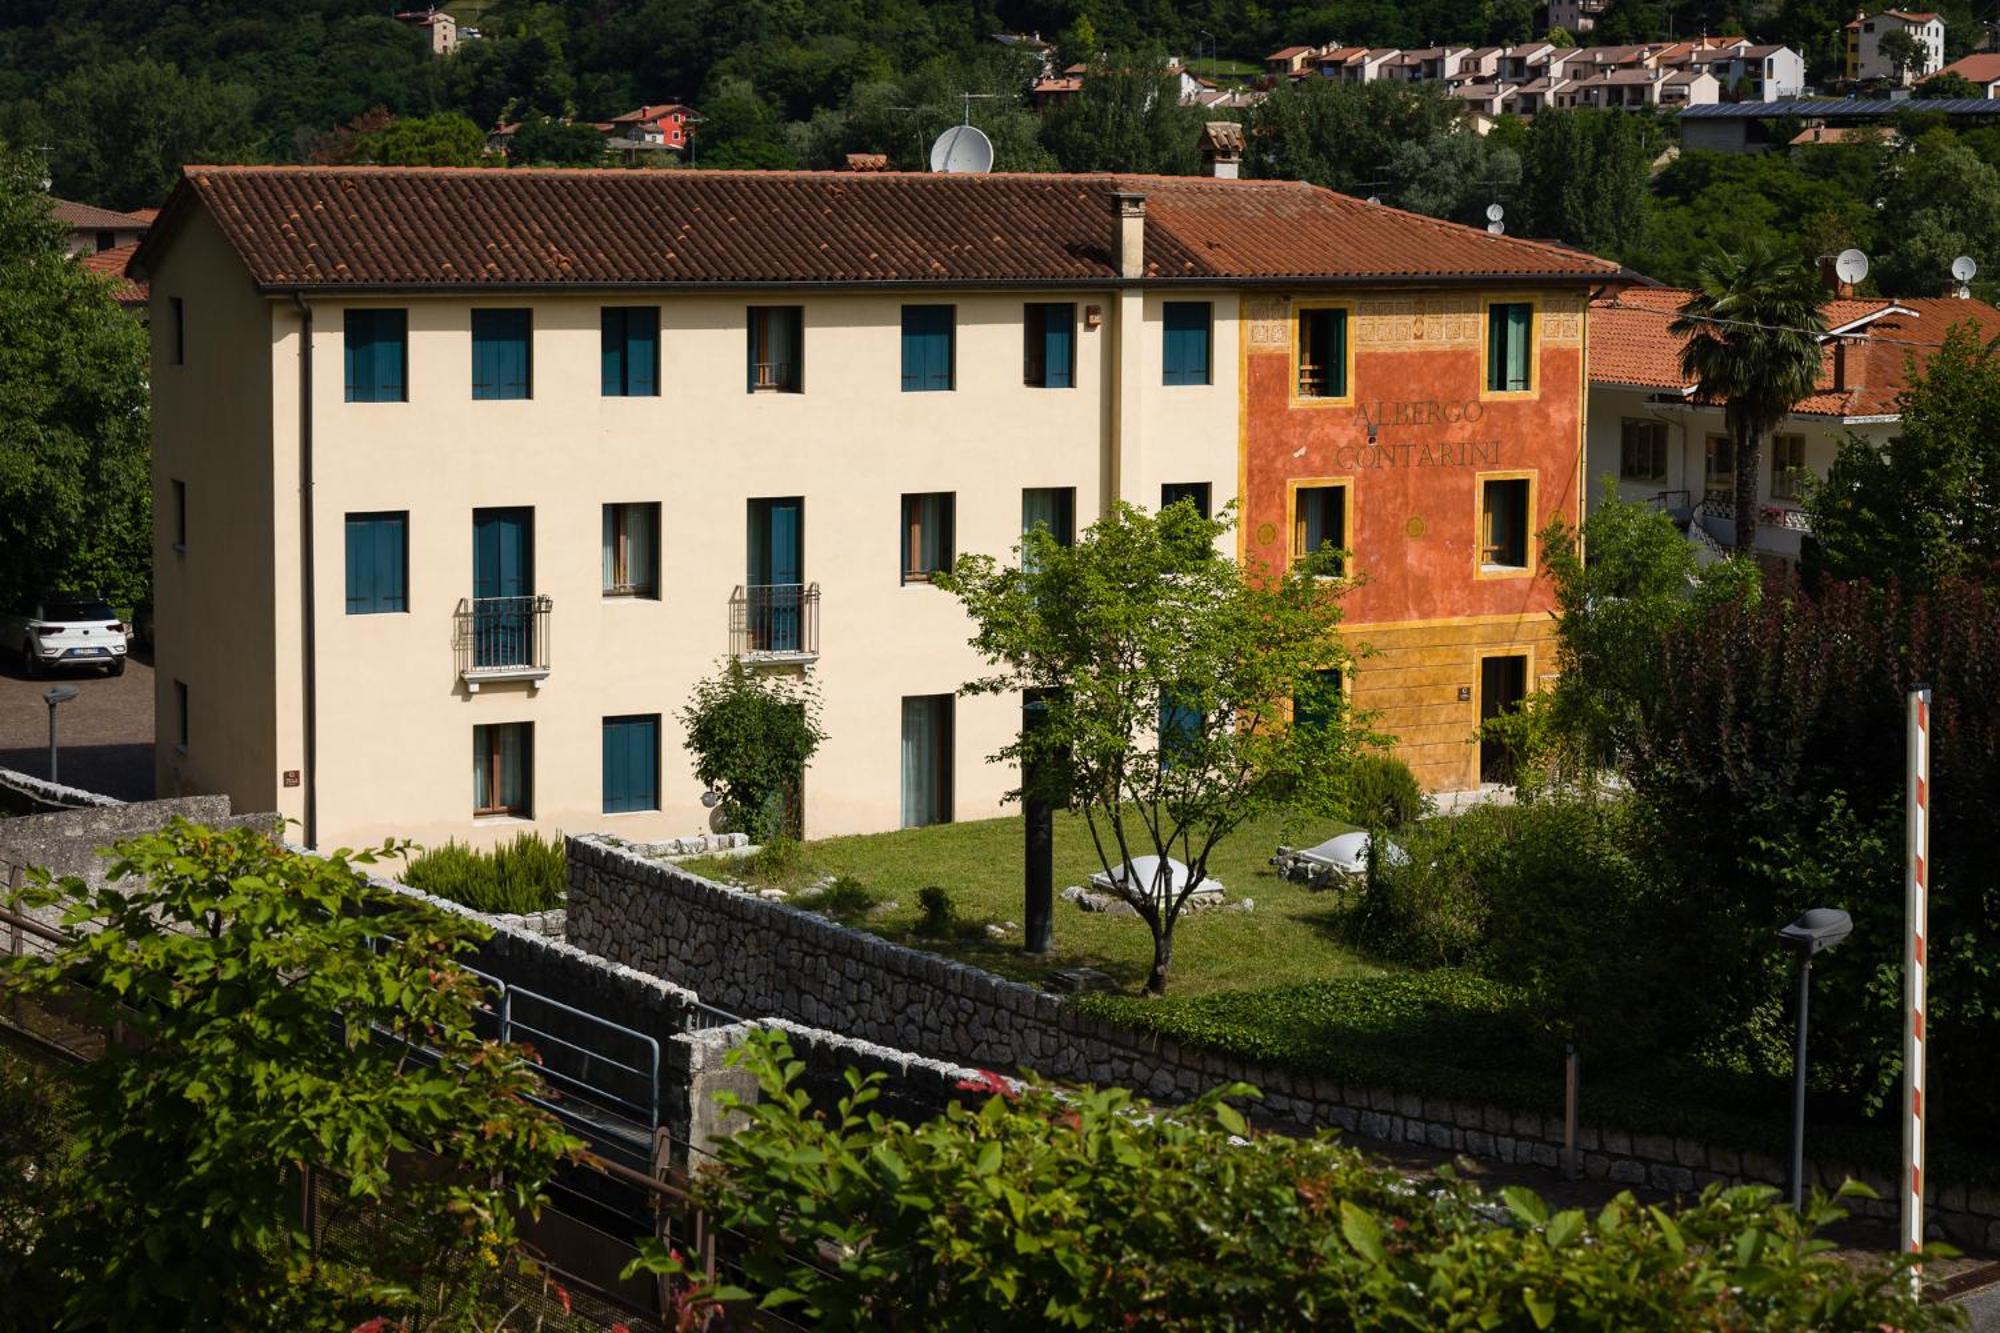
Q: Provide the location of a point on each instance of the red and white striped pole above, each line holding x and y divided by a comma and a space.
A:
1917, 913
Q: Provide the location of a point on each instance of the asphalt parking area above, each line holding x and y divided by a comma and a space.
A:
106, 732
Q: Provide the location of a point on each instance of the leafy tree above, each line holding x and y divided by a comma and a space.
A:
274, 1003
1454, 176
1945, 202
741, 130
1560, 38
446, 139
542, 142
1127, 118
1947, 84
751, 734
1092, 1209
1344, 136
1637, 585
1809, 202
1169, 670
1752, 344
1904, 52
118, 134
34, 1113
1927, 507
75, 449
1585, 177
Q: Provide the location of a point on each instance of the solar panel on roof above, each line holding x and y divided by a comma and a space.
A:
1852, 108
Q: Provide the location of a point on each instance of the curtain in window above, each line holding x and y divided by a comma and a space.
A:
775, 336
500, 752
922, 778
927, 536
610, 547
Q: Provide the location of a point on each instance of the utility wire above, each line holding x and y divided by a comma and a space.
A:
1771, 328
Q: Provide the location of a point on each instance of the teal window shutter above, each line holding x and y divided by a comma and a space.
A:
631, 763
502, 355
377, 353
611, 351
1180, 728
927, 348
377, 563
1336, 352
1510, 347
1059, 346
1185, 346
630, 351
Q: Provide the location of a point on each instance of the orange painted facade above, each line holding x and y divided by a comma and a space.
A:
1413, 442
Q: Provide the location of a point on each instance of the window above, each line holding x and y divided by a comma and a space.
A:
927, 534
180, 515
1194, 492
1718, 468
1316, 705
1048, 346
1642, 450
927, 347
377, 356
632, 550
1051, 507
1788, 467
631, 763
1180, 729
106, 240
503, 769
1322, 353
1510, 347
1184, 352
1319, 522
502, 354
179, 330
631, 351
378, 555
1503, 514
777, 349
181, 714
927, 751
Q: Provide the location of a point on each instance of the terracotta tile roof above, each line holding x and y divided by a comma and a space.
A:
1630, 346
390, 227
1981, 67
89, 217
111, 263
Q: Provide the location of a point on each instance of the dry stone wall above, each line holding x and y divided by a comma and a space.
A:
767, 959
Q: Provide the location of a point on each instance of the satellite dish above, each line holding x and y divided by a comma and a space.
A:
1494, 212
962, 148
1373, 198
1962, 268
1850, 266
1497, 228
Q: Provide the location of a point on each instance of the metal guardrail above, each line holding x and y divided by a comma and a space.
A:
776, 621
502, 637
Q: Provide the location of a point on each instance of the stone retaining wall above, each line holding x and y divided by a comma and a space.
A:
754, 957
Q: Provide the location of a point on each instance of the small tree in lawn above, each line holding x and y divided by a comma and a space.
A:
274, 1005
752, 734
1169, 671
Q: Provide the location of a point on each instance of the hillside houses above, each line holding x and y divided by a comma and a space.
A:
1527, 79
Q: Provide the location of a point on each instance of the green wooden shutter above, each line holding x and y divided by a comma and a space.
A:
631, 764
1184, 350
1059, 346
927, 348
377, 563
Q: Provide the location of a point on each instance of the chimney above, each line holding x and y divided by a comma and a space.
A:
1829, 277
1131, 208
1222, 149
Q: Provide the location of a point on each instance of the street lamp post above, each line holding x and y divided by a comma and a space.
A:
1819, 929
60, 694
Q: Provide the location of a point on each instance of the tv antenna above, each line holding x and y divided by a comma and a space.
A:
1962, 269
1850, 266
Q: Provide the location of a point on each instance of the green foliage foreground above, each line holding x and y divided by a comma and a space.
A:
269, 1003
1046, 1209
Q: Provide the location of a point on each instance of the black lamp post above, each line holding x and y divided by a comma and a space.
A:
1039, 915
60, 694
1821, 928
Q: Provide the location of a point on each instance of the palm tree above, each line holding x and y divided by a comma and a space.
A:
1753, 345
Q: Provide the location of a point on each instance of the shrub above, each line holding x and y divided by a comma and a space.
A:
1091, 1209
1384, 793
528, 874
845, 899
751, 735
938, 918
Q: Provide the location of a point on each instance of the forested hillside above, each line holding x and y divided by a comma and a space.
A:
117, 94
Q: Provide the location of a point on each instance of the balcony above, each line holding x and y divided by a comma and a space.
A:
774, 623
501, 639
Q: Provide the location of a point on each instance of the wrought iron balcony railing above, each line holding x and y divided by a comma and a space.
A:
501, 638
776, 622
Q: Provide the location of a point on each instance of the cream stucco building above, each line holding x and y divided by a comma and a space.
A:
463, 478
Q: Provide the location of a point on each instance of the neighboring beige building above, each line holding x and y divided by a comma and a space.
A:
1864, 58
1653, 441
560, 442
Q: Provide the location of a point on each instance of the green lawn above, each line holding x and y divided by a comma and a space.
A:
1288, 936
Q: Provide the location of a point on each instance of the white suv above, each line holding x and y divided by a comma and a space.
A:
66, 630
